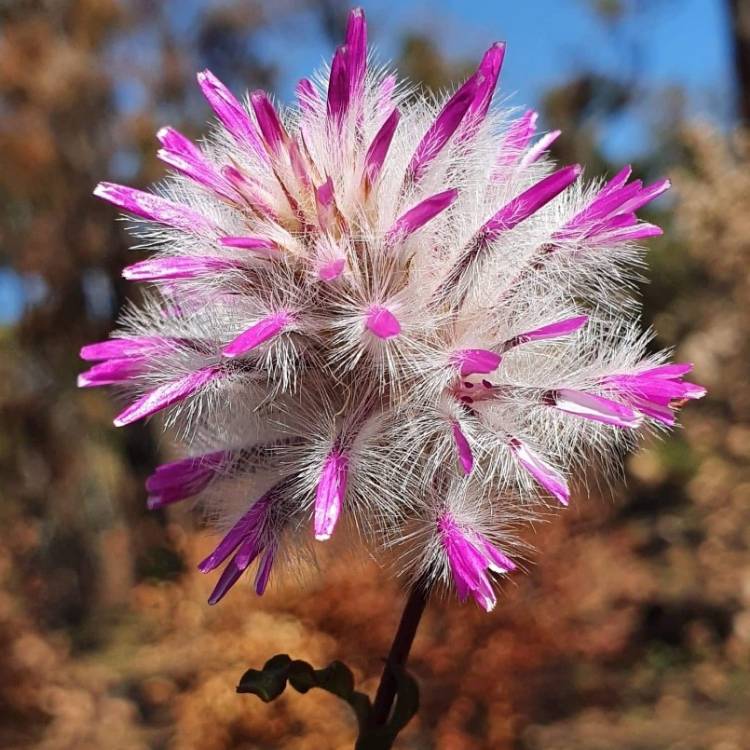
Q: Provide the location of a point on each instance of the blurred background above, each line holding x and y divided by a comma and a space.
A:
632, 630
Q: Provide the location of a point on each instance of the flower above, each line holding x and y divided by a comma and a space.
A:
471, 558
656, 391
377, 314
250, 537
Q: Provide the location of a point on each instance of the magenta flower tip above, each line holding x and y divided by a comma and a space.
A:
258, 334
545, 474
166, 395
330, 493
471, 557
378, 150
382, 322
596, 408
415, 218
261, 246
465, 454
103, 190
476, 361
332, 270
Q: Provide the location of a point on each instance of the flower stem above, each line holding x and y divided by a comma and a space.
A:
399, 653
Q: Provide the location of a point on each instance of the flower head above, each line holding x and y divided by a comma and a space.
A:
363, 299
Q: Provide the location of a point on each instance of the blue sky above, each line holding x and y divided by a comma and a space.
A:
681, 42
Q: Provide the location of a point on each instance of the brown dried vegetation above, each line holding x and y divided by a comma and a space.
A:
630, 630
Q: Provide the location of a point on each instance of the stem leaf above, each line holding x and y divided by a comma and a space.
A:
267, 683
407, 700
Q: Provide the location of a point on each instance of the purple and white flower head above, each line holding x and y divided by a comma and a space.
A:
376, 309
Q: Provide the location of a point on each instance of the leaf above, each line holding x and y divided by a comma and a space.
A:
407, 700
267, 683
270, 682
382, 737
338, 679
302, 676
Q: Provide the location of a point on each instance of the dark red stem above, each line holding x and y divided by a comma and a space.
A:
399, 653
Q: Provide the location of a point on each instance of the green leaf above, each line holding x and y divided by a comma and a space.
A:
267, 683
270, 682
302, 676
336, 678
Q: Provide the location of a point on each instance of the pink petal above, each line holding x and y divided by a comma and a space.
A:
608, 203
378, 150
326, 205
256, 197
441, 130
498, 562
329, 496
385, 94
553, 330
516, 139
537, 150
248, 551
382, 322
419, 215
331, 270
641, 232
617, 181
522, 131
487, 75
549, 478
117, 348
470, 557
259, 245
670, 371
230, 112
338, 87
264, 570
694, 391
272, 131
659, 390
184, 156
530, 201
602, 228
660, 412
474, 361
182, 267
229, 576
646, 195
465, 456
167, 395
258, 334
112, 371
356, 48
307, 95
250, 525
654, 391
299, 164
153, 207
182, 479
596, 408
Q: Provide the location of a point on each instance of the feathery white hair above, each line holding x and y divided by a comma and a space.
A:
384, 308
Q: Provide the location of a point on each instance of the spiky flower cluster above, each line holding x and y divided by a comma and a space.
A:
383, 310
